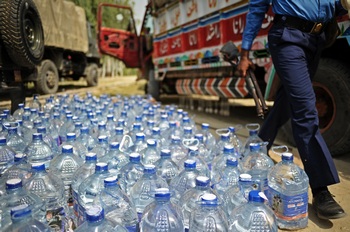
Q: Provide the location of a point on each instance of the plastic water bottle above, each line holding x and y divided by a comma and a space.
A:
86, 139
257, 164
131, 172
219, 162
7, 156
51, 190
117, 136
114, 158
201, 165
83, 172
117, 205
150, 155
79, 149
189, 200
253, 214
90, 188
35, 103
140, 144
236, 141
64, 166
208, 216
95, 221
166, 167
67, 127
185, 180
38, 151
253, 129
227, 177
101, 147
233, 198
162, 214
22, 221
178, 151
208, 137
14, 140
143, 190
220, 145
288, 193
47, 138
19, 111
16, 195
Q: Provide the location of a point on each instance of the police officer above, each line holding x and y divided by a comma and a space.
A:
295, 41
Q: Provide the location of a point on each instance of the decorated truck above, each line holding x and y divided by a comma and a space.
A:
184, 58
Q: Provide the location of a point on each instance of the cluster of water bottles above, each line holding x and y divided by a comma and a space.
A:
116, 163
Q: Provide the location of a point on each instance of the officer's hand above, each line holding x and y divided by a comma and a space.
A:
244, 64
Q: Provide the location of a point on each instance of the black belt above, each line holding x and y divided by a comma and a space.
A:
300, 24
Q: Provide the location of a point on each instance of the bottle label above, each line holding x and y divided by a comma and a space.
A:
289, 208
58, 221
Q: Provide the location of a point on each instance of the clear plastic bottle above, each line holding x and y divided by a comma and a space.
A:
178, 152
7, 156
19, 111
35, 103
288, 193
101, 147
185, 180
114, 158
162, 214
143, 190
83, 172
38, 151
67, 127
201, 165
96, 222
51, 190
189, 200
87, 139
90, 188
117, 136
14, 140
208, 138
257, 164
47, 138
117, 205
22, 221
150, 155
131, 172
235, 140
79, 149
166, 167
64, 166
253, 214
227, 177
208, 216
17, 195
253, 129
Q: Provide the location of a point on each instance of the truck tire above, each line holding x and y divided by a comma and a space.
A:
91, 73
22, 32
47, 82
332, 87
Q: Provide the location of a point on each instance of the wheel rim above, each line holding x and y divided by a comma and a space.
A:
50, 79
325, 105
32, 31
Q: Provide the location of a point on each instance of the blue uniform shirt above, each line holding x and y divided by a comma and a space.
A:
311, 10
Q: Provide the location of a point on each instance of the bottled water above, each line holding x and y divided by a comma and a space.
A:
16, 195
64, 166
14, 140
136, 128
38, 151
220, 145
253, 129
178, 151
288, 193
7, 156
208, 137
144, 189
35, 103
48, 139
19, 111
90, 188
117, 205
115, 159
83, 172
131, 172
205, 152
140, 144
236, 141
86, 139
102, 130
162, 214
201, 165
219, 162
158, 138
256, 163
51, 190
118, 135
189, 200
22, 221
253, 214
208, 216
150, 154
67, 127
95, 221
101, 147
227, 177
247, 184
166, 168
79, 150
185, 180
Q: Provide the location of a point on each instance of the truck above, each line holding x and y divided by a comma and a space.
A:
46, 41
185, 59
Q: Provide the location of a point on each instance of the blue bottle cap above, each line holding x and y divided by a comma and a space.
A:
137, 126
229, 149
209, 199
253, 132
190, 164
19, 157
151, 143
101, 167
102, 139
71, 136
162, 193
232, 129
172, 124
95, 213
245, 177
119, 130
200, 137
20, 211
67, 149
114, 145
13, 183
110, 181
165, 153
84, 130
187, 130
287, 156
91, 156
149, 169
232, 161
134, 157
224, 137
185, 119
41, 129
38, 167
202, 181
155, 130
2, 141
254, 146
37, 136
254, 195
140, 136
205, 126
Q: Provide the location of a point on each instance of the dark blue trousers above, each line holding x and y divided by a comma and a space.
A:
296, 56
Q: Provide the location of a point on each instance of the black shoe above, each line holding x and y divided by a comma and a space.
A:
326, 207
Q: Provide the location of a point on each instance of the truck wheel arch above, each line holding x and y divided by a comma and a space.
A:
22, 32
332, 86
